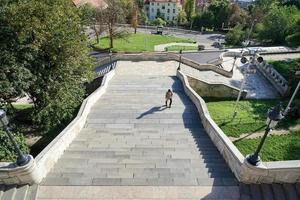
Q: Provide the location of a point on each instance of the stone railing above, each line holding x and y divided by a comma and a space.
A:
267, 172
164, 57
275, 78
37, 168
207, 89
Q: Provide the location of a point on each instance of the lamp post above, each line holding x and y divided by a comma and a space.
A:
250, 69
293, 96
22, 158
180, 52
110, 60
274, 116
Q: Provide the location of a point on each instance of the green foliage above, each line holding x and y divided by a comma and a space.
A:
159, 22
139, 42
294, 38
44, 40
220, 11
235, 36
276, 147
87, 12
189, 8
278, 24
181, 18
7, 151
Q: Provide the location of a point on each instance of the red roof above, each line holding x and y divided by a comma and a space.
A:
95, 3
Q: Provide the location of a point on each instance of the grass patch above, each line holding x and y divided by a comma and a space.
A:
276, 147
183, 48
139, 42
251, 116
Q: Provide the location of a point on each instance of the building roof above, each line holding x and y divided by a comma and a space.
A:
95, 3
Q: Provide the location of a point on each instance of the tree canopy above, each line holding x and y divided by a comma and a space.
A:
43, 53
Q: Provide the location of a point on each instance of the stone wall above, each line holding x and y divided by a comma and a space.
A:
266, 172
37, 168
206, 89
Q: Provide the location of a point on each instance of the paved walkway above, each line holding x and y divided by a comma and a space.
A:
131, 139
257, 86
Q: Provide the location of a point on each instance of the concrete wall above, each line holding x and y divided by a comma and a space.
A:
37, 168
267, 172
206, 89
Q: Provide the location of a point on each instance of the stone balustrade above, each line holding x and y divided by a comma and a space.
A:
275, 78
35, 170
266, 172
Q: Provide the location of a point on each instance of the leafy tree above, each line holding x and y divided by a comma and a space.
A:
278, 24
294, 38
159, 22
181, 18
237, 15
220, 11
235, 36
135, 16
189, 8
112, 14
47, 50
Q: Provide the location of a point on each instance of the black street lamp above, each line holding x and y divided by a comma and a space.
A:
180, 52
110, 59
22, 158
274, 116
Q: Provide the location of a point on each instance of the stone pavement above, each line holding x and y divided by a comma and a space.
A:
257, 86
131, 139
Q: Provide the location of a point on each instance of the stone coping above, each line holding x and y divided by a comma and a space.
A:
266, 172
37, 168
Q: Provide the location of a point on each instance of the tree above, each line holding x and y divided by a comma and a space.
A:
235, 36
294, 38
44, 46
135, 16
237, 15
181, 18
278, 24
220, 11
189, 8
112, 14
159, 22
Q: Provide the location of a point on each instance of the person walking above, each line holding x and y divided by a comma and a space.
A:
169, 96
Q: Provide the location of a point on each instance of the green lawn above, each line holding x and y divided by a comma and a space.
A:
251, 116
276, 147
178, 48
139, 42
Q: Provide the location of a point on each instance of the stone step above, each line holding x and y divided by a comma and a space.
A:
24, 192
140, 193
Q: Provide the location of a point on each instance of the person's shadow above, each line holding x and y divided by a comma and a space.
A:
151, 111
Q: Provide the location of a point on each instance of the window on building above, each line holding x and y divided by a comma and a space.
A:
158, 4
168, 4
168, 18
173, 18
163, 7
152, 4
168, 10
173, 10
152, 10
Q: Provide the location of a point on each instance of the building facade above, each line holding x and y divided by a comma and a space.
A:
165, 9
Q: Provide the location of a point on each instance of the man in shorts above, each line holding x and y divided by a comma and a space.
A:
169, 95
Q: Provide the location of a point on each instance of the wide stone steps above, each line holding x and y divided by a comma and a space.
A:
131, 139
269, 191
25, 192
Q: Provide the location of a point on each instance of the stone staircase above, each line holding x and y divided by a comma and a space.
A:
25, 192
269, 191
131, 139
